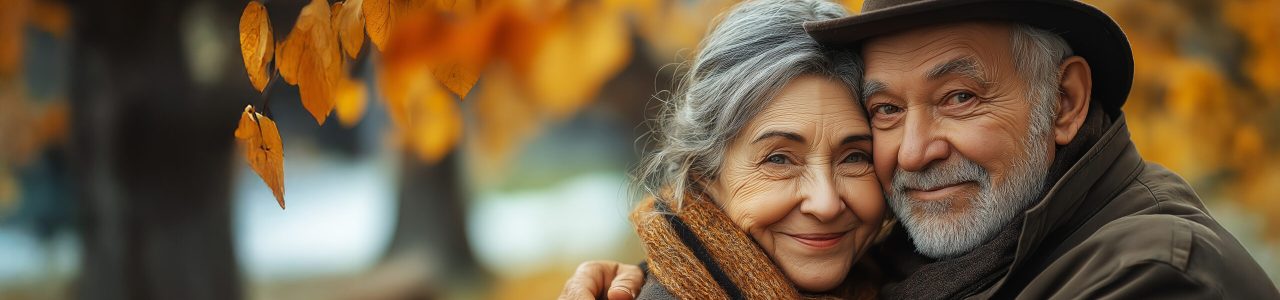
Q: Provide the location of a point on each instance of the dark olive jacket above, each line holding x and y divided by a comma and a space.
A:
1115, 226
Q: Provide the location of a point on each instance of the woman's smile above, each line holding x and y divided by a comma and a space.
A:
820, 241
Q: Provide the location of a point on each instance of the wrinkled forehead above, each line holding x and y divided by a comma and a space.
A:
812, 102
916, 51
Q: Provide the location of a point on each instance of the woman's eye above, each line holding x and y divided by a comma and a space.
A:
857, 157
777, 159
885, 109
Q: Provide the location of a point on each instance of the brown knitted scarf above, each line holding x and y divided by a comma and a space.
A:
696, 252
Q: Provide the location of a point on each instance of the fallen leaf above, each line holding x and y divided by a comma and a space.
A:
348, 20
310, 57
256, 43
351, 102
263, 149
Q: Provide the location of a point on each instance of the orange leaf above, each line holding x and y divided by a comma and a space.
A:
263, 149
351, 102
348, 20
579, 52
379, 19
12, 19
310, 58
455, 50
256, 43
436, 124
457, 77
380, 16
427, 117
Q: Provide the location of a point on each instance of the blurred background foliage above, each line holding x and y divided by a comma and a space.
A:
119, 179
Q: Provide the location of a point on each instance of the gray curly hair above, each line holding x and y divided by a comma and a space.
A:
753, 51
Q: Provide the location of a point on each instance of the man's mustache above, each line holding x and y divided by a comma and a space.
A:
941, 174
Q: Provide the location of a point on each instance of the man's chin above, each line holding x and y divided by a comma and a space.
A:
947, 234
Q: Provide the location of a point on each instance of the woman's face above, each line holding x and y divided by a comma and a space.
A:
798, 178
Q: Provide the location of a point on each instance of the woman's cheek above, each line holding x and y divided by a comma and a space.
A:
760, 204
864, 197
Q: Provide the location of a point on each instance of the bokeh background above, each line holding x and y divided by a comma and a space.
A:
120, 177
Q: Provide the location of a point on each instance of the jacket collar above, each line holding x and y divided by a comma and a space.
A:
1106, 168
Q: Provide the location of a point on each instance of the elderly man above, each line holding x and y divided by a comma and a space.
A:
1001, 144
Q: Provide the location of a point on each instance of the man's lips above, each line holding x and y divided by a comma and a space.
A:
935, 193
819, 240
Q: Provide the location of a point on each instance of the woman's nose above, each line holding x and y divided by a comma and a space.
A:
822, 201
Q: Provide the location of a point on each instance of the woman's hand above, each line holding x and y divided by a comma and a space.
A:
588, 282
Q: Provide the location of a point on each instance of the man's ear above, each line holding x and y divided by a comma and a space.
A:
1074, 89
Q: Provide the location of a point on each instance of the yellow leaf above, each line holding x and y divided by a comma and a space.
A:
436, 124
263, 149
351, 102
256, 43
427, 118
310, 58
579, 53
348, 20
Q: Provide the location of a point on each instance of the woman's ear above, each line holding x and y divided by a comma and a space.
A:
1074, 87
708, 187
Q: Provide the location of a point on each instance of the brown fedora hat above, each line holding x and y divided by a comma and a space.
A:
1090, 32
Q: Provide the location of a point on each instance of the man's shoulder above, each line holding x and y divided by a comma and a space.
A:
1156, 190
1148, 238
1157, 225
1157, 218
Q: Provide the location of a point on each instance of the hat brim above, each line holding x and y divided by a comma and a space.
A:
1090, 32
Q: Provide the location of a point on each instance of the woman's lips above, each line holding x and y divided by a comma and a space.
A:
819, 240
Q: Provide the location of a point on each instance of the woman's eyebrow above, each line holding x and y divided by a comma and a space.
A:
783, 134
855, 138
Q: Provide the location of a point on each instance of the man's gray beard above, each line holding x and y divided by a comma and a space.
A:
939, 231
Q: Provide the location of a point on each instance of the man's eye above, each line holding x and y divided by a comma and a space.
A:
777, 159
885, 109
962, 97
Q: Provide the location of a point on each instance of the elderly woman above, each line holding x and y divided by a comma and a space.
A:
760, 184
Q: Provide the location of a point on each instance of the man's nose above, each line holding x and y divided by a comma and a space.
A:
822, 201
922, 143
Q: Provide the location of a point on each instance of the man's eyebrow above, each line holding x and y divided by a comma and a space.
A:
787, 135
855, 138
965, 66
870, 87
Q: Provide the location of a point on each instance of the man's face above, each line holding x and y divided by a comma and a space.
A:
954, 147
